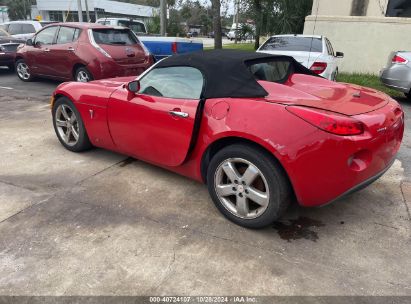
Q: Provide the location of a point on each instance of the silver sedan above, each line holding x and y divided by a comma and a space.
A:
397, 74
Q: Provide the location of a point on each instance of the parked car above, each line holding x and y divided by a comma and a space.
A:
313, 52
397, 74
137, 26
260, 130
83, 52
8, 47
22, 29
159, 47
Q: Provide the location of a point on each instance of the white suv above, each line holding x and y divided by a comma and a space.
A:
22, 29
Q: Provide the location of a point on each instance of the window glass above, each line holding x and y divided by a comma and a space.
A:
46, 36
15, 29
136, 27
173, 82
66, 35
274, 71
294, 44
28, 29
114, 36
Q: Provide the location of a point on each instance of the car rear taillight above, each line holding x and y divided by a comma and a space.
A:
318, 67
174, 47
328, 121
399, 59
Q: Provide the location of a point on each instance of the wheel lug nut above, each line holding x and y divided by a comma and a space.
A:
240, 195
234, 189
246, 191
243, 182
236, 182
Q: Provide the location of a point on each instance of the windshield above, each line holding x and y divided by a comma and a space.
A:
293, 44
114, 36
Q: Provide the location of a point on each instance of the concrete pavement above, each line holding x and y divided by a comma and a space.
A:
99, 223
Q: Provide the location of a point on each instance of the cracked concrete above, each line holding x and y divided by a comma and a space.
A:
97, 223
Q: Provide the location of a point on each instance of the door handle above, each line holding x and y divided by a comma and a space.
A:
47, 50
178, 114
71, 49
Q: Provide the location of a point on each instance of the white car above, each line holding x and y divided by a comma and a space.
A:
314, 52
23, 29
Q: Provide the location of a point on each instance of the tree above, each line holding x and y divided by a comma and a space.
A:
19, 9
216, 9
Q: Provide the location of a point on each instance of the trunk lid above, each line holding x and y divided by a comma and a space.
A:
317, 92
305, 58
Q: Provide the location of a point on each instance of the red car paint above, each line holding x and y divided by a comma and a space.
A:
321, 166
60, 60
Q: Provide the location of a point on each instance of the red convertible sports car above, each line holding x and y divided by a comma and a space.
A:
259, 130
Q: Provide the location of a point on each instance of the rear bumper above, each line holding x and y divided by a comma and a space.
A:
7, 58
331, 166
397, 77
363, 185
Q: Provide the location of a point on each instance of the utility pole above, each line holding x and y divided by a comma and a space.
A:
80, 11
87, 11
163, 17
236, 22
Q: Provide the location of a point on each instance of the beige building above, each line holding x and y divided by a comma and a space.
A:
367, 31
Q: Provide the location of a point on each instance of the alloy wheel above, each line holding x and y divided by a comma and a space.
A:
23, 70
241, 188
67, 125
82, 76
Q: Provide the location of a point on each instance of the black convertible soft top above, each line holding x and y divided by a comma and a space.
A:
227, 72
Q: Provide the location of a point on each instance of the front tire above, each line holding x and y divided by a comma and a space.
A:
248, 186
69, 126
23, 70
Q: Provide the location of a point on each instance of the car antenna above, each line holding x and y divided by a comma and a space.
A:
312, 37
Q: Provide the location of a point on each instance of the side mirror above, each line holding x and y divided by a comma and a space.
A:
29, 42
339, 54
133, 86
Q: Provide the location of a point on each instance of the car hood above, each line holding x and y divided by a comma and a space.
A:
114, 82
321, 93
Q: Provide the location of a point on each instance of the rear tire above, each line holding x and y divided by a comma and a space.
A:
248, 186
69, 126
83, 75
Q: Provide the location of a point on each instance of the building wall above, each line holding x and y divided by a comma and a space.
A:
375, 8
365, 41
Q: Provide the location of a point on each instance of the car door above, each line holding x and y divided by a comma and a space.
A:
42, 57
157, 123
64, 52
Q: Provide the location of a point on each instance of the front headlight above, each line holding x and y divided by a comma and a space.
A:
2, 49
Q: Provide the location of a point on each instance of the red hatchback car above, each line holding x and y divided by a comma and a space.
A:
259, 129
82, 52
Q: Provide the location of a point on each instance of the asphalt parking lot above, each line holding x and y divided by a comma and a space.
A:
100, 223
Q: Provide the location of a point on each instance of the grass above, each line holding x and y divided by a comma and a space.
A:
366, 80
238, 46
